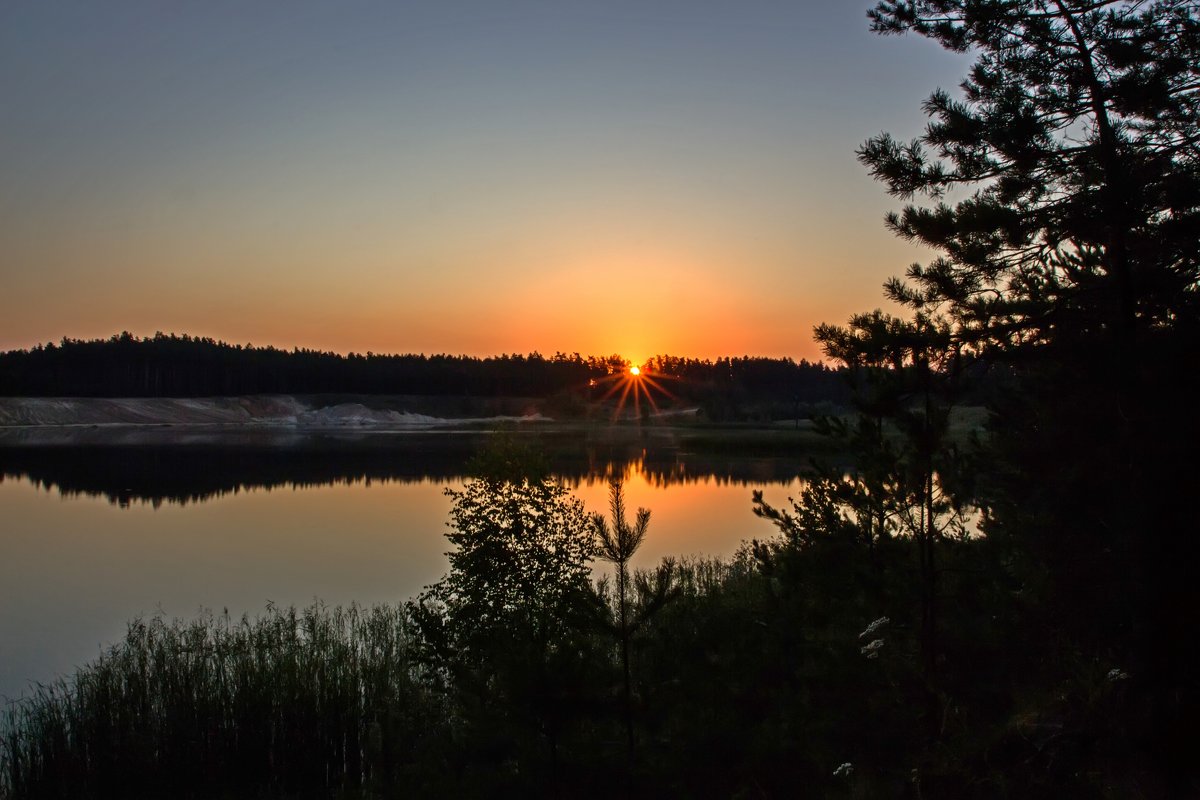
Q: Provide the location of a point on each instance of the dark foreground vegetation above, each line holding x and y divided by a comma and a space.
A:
1013, 619
801, 666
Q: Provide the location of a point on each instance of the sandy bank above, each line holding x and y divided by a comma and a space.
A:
260, 411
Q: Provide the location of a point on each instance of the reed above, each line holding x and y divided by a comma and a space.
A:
317, 702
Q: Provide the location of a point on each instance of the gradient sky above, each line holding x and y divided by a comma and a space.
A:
467, 177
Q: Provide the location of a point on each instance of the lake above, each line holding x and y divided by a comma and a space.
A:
95, 535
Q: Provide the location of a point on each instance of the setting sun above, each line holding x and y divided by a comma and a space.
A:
634, 371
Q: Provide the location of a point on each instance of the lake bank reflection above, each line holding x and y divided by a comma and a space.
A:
94, 537
156, 474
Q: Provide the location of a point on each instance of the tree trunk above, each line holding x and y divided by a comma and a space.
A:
622, 591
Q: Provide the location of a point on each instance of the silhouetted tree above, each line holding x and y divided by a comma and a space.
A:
503, 626
1074, 146
1062, 191
617, 544
902, 453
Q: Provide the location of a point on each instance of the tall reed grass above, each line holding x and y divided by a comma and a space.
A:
318, 702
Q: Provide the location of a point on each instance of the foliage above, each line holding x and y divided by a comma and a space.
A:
1062, 192
501, 632
1073, 149
750, 677
313, 703
522, 548
617, 544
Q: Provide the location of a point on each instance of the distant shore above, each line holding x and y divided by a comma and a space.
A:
352, 421
257, 410
382, 421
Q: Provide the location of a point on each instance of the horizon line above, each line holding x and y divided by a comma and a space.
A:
128, 335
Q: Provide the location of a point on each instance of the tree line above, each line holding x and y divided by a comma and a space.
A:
169, 365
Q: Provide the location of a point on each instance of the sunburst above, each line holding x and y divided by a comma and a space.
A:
634, 385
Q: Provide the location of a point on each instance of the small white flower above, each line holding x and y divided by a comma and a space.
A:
845, 770
871, 649
874, 626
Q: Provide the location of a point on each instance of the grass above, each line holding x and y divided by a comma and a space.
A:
320, 702
329, 702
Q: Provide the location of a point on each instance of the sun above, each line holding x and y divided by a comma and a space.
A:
633, 384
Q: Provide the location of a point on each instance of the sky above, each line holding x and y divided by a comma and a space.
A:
462, 177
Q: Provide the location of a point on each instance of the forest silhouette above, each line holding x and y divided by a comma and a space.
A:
184, 366
878, 645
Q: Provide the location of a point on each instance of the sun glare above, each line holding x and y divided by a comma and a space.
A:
632, 386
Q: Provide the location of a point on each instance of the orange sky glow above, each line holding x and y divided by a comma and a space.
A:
633, 179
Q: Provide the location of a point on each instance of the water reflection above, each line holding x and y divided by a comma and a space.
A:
158, 474
94, 536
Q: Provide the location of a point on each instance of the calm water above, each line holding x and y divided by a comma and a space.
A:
93, 537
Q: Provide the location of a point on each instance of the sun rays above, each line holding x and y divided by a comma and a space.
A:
634, 385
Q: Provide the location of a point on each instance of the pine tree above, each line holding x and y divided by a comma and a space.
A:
617, 544
1061, 189
1074, 152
